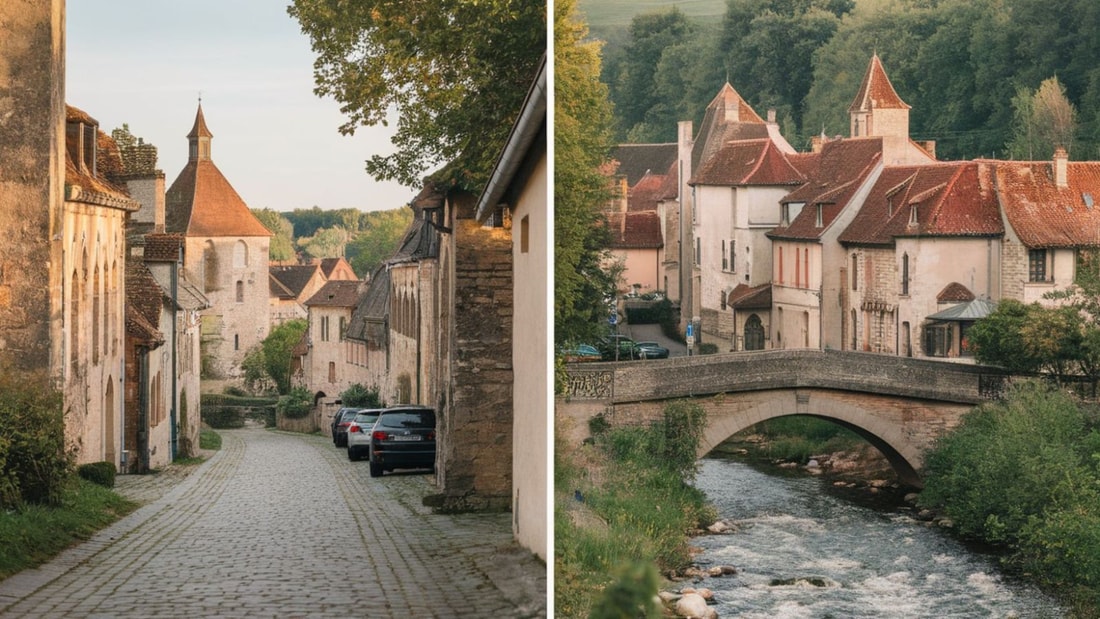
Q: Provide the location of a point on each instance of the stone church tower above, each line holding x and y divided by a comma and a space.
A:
226, 251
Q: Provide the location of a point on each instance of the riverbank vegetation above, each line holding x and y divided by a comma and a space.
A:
623, 508
1024, 473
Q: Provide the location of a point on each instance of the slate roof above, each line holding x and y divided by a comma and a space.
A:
201, 202
748, 297
748, 162
717, 129
277, 289
328, 266
294, 277
951, 199
1044, 215
971, 310
838, 172
637, 160
876, 91
368, 321
635, 230
338, 293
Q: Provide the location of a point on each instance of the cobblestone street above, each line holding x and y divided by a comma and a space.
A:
283, 525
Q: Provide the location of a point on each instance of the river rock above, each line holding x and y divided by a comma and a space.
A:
813, 464
911, 498
720, 527
693, 605
702, 592
668, 597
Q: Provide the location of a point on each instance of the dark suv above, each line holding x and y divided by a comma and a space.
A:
340, 422
403, 438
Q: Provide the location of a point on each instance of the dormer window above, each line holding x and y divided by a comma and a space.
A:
819, 220
785, 214
913, 215
80, 140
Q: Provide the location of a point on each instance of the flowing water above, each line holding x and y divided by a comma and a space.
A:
804, 553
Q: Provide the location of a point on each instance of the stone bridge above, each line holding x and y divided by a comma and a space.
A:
900, 405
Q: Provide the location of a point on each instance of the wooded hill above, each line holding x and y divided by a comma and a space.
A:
970, 69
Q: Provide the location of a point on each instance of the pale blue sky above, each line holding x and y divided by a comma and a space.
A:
144, 63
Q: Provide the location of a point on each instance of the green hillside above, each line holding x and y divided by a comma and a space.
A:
618, 13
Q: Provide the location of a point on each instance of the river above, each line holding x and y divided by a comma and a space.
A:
804, 553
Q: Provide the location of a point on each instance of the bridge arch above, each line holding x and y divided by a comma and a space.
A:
726, 418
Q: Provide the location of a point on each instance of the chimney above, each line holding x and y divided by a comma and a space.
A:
1061, 162
771, 116
624, 194
817, 142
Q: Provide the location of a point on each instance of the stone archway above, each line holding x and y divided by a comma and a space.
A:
754, 333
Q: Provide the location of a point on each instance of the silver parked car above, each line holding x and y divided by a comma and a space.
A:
359, 433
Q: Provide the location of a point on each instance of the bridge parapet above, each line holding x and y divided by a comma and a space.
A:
638, 381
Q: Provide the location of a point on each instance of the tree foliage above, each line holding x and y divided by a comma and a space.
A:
277, 350
454, 71
960, 64
380, 232
282, 241
34, 462
1044, 120
359, 395
582, 143
325, 243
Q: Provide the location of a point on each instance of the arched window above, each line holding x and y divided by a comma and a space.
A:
74, 319
240, 291
97, 315
754, 333
240, 255
905, 274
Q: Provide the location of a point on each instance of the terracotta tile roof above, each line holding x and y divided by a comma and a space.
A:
81, 184
955, 293
294, 277
647, 193
199, 129
637, 160
876, 91
201, 202
718, 128
750, 297
329, 265
1045, 215
144, 300
748, 162
840, 170
163, 247
339, 293
635, 230
952, 199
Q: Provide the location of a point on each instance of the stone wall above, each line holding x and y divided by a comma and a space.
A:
476, 440
32, 133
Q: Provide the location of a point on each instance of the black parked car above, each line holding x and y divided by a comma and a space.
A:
403, 438
340, 422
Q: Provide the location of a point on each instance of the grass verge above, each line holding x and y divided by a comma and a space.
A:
209, 439
33, 534
623, 510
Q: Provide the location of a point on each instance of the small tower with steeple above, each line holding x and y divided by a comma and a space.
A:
199, 138
878, 111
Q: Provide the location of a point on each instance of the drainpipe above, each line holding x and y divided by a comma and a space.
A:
175, 367
143, 410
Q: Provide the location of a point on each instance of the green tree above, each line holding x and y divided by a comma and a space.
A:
278, 347
359, 395
1044, 120
582, 143
282, 243
454, 71
326, 243
380, 233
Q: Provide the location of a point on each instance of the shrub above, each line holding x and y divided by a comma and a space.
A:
223, 417
708, 348
360, 396
296, 404
34, 463
102, 473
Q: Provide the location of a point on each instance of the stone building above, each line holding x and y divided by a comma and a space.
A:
93, 286
226, 250
328, 364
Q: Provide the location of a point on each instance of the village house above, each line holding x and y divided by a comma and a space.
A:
291, 285
226, 250
92, 281
639, 217
327, 365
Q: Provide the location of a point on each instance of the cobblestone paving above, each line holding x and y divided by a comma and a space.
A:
283, 525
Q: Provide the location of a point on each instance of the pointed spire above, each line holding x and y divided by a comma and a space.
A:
199, 137
876, 91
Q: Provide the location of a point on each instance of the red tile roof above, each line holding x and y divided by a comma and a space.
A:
718, 128
635, 230
955, 293
876, 91
338, 293
839, 171
1045, 215
647, 193
749, 162
952, 199
163, 247
750, 297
